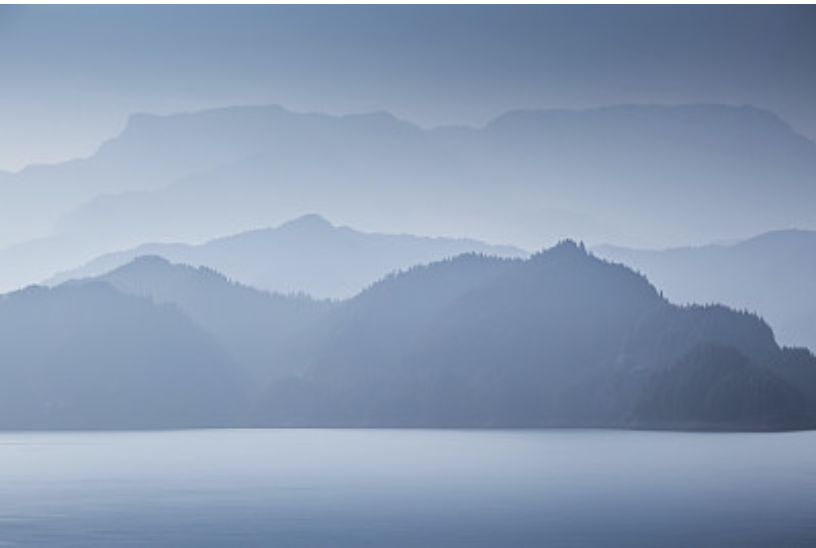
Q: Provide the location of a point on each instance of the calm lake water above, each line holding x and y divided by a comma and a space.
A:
387, 488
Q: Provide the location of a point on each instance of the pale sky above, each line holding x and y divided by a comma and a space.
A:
72, 75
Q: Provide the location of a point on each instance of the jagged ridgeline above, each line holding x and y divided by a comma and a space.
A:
562, 339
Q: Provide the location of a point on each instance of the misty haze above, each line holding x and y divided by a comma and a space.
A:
408, 276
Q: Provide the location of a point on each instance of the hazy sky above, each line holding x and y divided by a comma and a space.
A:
69, 76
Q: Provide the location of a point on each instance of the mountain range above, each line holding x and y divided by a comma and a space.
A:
773, 275
306, 255
638, 175
561, 338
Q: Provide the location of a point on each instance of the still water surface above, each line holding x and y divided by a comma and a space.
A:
392, 488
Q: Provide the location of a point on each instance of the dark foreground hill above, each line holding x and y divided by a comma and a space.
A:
562, 339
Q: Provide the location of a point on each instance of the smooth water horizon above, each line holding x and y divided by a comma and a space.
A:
392, 488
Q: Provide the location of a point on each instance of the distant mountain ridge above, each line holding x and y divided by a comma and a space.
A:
633, 174
717, 154
307, 254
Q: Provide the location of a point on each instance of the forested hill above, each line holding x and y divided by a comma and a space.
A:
562, 339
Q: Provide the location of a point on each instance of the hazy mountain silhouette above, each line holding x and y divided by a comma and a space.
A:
561, 339
627, 173
252, 325
308, 254
268, 142
773, 274
636, 175
87, 356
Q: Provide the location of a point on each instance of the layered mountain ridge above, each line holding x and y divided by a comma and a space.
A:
639, 175
561, 339
298, 256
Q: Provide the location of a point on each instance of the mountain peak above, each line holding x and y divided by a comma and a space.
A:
564, 248
147, 262
310, 221
156, 264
